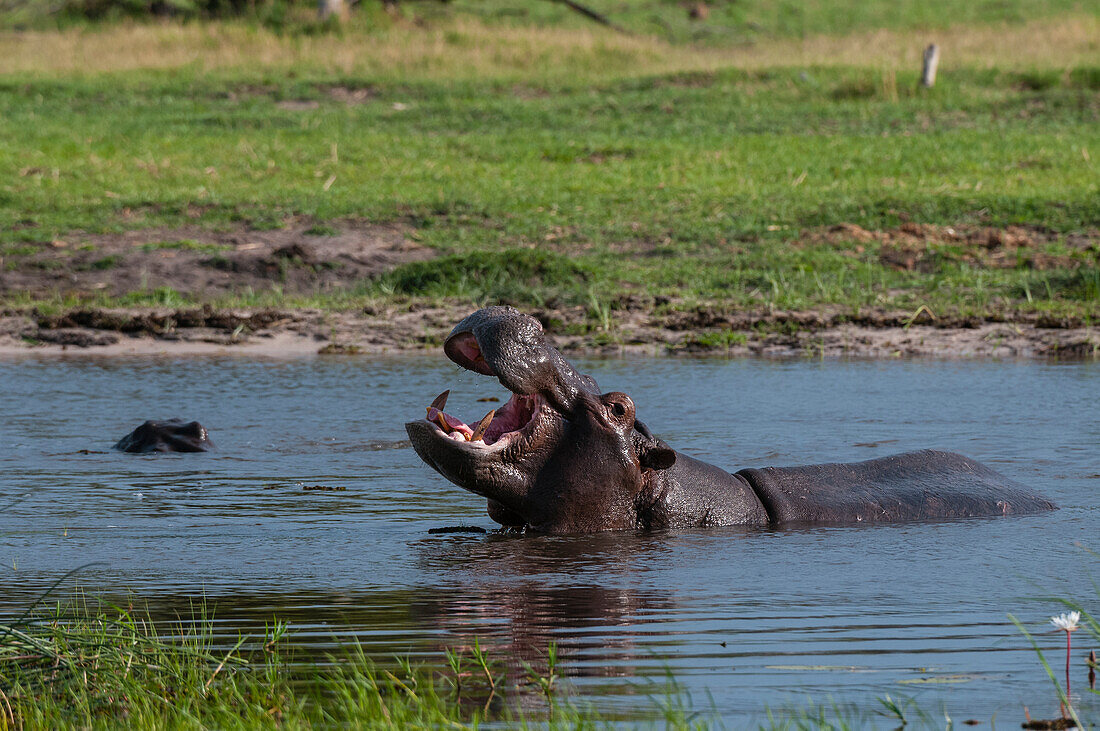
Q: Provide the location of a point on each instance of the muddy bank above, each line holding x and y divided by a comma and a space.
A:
411, 327
309, 257
925, 247
301, 257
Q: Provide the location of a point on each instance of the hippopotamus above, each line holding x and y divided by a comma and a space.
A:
562, 457
171, 435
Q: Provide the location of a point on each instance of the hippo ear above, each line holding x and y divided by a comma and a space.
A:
657, 456
653, 454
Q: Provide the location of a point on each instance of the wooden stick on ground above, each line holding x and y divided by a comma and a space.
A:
590, 14
931, 61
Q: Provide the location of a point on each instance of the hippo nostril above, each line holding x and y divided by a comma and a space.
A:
464, 349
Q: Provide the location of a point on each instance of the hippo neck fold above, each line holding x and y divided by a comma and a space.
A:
695, 494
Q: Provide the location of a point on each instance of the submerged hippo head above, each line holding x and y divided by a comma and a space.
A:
171, 435
559, 456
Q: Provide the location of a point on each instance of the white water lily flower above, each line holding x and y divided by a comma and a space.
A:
1067, 621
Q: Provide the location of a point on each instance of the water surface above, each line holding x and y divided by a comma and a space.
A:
744, 618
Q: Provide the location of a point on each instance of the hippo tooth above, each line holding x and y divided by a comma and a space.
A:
440, 400
482, 425
443, 422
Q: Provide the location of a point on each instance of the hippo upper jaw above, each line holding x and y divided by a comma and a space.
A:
505, 343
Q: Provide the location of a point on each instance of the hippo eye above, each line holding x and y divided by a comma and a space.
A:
618, 406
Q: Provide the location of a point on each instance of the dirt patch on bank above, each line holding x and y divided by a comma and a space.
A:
631, 329
349, 95
299, 258
308, 258
924, 247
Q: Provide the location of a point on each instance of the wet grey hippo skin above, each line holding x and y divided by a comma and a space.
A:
560, 457
172, 435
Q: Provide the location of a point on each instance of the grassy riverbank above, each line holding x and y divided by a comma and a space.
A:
785, 166
118, 669
113, 668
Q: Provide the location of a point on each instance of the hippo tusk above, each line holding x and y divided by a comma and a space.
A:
482, 425
443, 422
439, 402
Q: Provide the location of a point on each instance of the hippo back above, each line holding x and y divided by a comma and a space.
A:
912, 486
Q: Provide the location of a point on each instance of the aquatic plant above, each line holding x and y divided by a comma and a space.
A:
1067, 622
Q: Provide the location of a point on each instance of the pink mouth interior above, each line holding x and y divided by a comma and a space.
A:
509, 420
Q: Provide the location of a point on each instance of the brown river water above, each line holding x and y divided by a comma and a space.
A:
744, 619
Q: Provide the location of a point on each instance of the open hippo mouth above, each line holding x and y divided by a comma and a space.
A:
496, 455
497, 429
509, 424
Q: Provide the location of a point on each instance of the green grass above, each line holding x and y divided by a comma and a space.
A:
727, 23
82, 666
76, 667
695, 185
713, 340
658, 186
750, 20
184, 245
511, 274
118, 669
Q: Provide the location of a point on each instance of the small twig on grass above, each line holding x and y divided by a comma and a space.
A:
922, 308
8, 714
402, 686
930, 61
221, 665
591, 14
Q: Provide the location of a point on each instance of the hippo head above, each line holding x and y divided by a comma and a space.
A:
170, 435
559, 457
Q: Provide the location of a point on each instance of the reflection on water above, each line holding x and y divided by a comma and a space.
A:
747, 616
